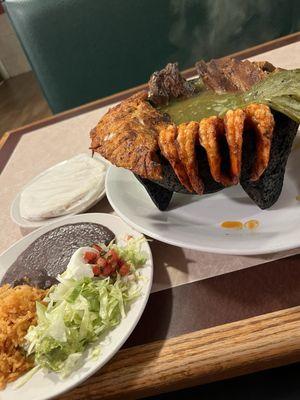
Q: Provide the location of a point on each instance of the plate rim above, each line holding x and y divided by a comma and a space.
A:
178, 243
144, 298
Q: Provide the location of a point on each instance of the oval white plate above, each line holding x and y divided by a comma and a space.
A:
24, 223
194, 222
46, 386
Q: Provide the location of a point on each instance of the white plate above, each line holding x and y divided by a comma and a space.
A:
46, 386
194, 222
24, 223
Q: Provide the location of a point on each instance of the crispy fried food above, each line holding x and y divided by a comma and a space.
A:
229, 74
260, 118
186, 144
234, 126
131, 134
168, 84
256, 117
127, 136
210, 131
266, 190
167, 145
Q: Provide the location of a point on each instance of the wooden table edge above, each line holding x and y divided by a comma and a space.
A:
207, 355
255, 50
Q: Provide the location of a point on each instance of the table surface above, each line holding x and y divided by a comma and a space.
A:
209, 317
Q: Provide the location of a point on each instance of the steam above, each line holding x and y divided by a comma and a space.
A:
213, 28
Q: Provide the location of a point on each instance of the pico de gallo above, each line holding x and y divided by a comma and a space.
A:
106, 262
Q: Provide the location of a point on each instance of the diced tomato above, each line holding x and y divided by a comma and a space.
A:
114, 266
96, 270
107, 270
101, 262
113, 256
90, 257
97, 247
120, 262
124, 269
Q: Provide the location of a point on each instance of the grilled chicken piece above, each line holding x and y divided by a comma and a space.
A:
260, 118
186, 145
127, 136
167, 144
234, 126
229, 74
210, 131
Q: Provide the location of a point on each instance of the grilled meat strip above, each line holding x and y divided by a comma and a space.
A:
168, 84
229, 74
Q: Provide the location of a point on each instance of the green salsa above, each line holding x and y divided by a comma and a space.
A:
202, 105
280, 90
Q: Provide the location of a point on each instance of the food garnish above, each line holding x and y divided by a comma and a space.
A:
91, 298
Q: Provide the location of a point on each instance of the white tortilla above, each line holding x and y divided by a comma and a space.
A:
63, 189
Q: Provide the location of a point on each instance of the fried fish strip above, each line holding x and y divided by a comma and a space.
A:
167, 144
259, 117
186, 145
234, 126
209, 134
127, 136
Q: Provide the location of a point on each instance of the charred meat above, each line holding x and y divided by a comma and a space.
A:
168, 84
229, 74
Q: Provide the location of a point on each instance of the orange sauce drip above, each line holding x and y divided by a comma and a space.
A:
252, 224
232, 225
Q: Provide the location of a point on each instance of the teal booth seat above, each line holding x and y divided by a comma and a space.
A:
83, 50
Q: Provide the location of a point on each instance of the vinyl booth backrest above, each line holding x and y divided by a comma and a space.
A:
83, 50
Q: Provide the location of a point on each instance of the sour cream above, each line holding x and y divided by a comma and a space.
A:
63, 189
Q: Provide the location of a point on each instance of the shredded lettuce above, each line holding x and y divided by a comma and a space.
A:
130, 254
80, 311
